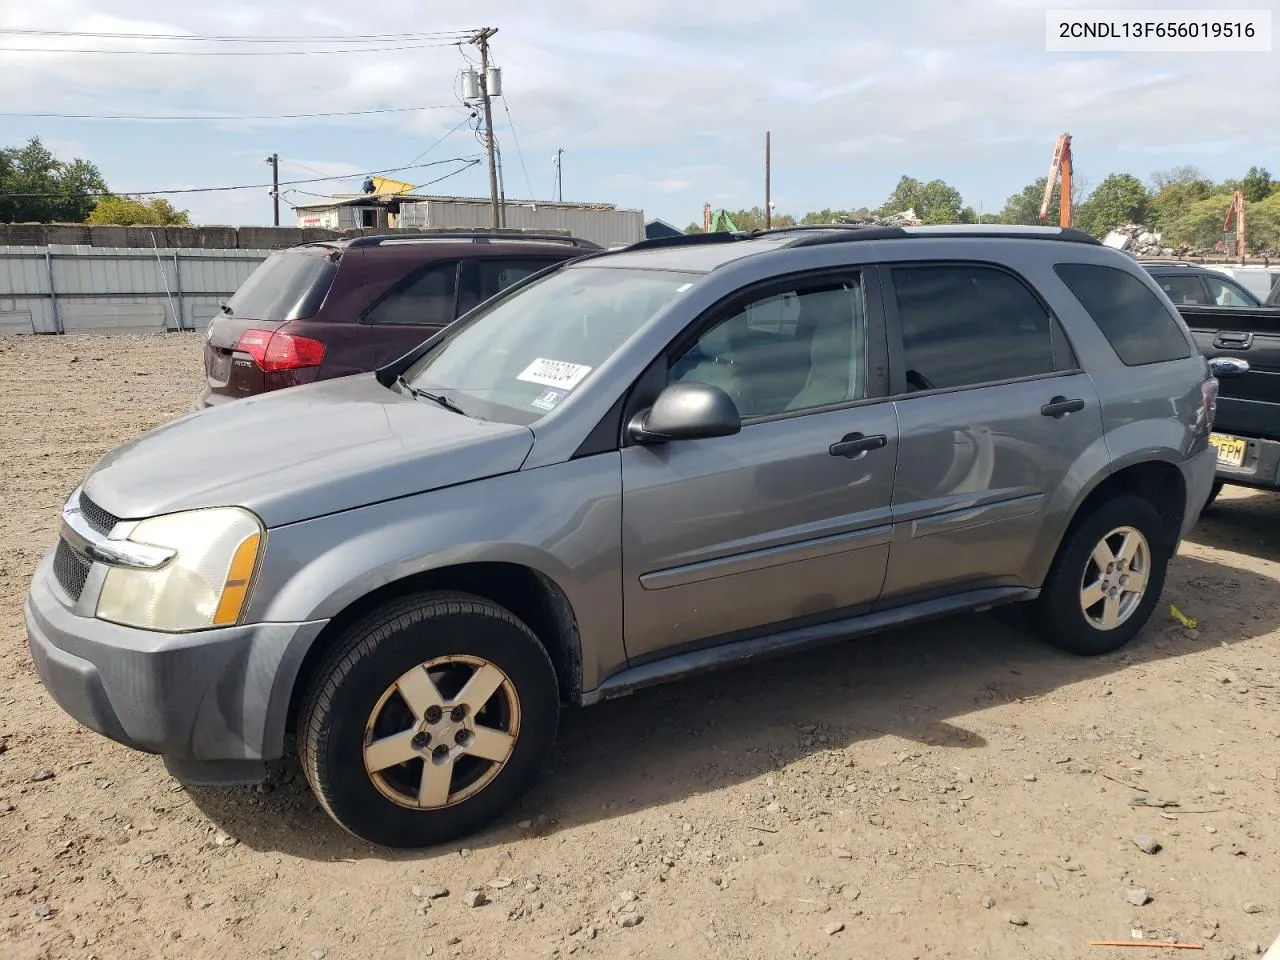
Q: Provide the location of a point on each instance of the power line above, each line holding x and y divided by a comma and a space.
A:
231, 53
350, 38
214, 116
452, 173
441, 140
247, 186
519, 153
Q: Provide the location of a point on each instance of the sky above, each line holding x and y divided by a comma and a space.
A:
660, 105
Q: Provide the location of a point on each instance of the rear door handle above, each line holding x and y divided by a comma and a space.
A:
1059, 407
854, 445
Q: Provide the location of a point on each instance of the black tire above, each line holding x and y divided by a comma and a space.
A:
367, 661
1213, 493
1057, 614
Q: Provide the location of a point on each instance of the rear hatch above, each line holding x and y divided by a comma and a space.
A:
1248, 406
247, 348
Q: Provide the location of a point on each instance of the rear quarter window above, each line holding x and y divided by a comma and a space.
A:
1135, 322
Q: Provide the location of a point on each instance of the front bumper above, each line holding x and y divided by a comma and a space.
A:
213, 703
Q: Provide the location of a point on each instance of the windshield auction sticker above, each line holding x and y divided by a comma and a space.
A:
554, 373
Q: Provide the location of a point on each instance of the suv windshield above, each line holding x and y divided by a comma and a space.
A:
286, 286
522, 356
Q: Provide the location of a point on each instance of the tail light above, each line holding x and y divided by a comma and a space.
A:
280, 351
1209, 400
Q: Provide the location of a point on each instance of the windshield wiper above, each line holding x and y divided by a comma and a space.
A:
439, 398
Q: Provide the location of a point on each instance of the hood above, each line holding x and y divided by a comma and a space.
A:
304, 452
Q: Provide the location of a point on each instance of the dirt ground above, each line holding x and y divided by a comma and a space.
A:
953, 791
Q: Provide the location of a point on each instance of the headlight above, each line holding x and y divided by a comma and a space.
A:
205, 585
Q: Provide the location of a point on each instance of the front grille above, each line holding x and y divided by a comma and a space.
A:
70, 569
98, 519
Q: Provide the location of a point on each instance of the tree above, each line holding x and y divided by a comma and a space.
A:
934, 202
1180, 175
905, 196
35, 186
1024, 207
1256, 185
825, 215
1120, 198
1175, 191
1201, 225
1263, 220
129, 211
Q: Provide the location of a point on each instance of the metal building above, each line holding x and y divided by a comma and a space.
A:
601, 223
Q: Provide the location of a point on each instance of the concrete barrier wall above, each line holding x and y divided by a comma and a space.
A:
182, 238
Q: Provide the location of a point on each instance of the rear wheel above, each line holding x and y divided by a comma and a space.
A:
428, 720
1106, 578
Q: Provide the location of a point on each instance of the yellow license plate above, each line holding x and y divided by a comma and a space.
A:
1230, 449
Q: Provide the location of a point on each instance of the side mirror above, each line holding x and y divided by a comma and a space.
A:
1222, 367
687, 411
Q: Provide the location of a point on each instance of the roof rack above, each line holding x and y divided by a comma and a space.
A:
474, 236
687, 240
812, 235
844, 233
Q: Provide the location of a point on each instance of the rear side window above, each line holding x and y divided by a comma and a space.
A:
1225, 293
286, 286
494, 276
964, 325
426, 298
1139, 327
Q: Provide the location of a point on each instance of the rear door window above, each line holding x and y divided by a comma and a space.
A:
1138, 326
426, 297
1184, 289
290, 285
970, 324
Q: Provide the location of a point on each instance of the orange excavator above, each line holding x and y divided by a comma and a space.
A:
1238, 248
1060, 168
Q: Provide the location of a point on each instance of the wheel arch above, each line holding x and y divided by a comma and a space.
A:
532, 596
1156, 479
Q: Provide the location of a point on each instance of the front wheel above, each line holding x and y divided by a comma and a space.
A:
1106, 578
428, 719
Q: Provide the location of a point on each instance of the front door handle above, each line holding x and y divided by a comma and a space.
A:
1059, 407
854, 445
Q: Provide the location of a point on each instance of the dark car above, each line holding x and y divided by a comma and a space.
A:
333, 308
1189, 284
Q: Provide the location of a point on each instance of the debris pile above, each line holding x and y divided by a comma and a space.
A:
1137, 239
907, 218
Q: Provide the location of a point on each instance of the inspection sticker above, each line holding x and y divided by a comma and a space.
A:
548, 399
554, 373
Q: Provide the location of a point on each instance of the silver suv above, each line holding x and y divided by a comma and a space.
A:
627, 469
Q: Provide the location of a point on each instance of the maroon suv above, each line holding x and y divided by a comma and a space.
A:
333, 308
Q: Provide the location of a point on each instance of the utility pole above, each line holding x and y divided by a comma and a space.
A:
768, 202
481, 40
560, 175
274, 160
